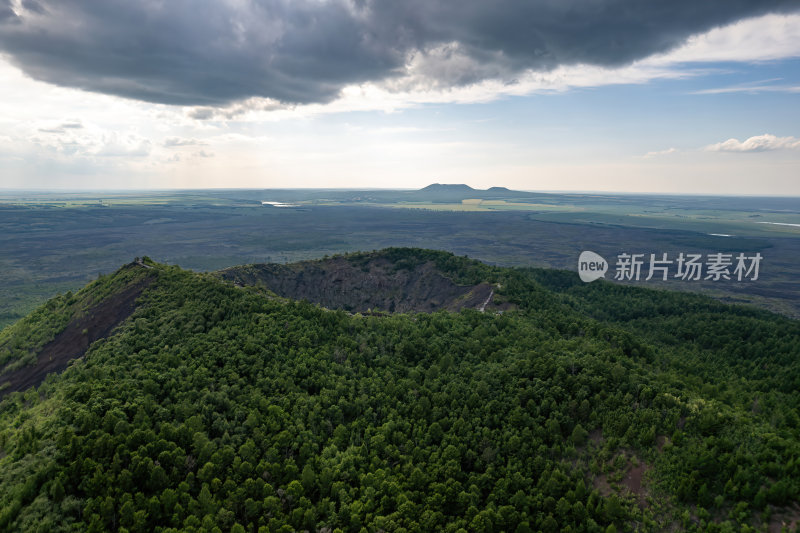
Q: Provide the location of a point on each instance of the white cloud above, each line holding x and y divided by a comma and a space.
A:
174, 142
765, 38
668, 151
116, 145
88, 141
758, 143
61, 127
751, 89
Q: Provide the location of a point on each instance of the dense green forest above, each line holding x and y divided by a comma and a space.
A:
580, 407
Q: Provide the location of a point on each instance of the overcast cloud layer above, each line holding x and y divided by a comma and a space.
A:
190, 52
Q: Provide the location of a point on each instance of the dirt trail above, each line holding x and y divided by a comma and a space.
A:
482, 308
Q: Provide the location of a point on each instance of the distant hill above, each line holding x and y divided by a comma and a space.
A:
461, 187
447, 187
445, 192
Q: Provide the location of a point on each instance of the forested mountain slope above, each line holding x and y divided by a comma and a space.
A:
214, 407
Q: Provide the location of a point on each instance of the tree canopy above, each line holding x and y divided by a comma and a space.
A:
221, 408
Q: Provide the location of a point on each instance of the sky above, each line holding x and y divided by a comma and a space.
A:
678, 97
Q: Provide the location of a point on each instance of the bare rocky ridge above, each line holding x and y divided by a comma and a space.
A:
365, 283
95, 323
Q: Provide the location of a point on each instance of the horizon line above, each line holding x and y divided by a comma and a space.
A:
41, 190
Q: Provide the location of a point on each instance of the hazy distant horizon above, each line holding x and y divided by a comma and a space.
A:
533, 191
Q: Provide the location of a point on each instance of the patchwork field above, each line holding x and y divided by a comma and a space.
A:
54, 242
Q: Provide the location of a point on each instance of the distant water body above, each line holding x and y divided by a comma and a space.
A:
278, 204
781, 224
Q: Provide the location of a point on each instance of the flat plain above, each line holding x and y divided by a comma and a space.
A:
53, 242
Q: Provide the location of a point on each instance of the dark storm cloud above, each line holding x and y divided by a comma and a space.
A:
7, 14
33, 6
194, 52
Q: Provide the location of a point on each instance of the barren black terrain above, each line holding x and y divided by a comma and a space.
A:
96, 322
365, 282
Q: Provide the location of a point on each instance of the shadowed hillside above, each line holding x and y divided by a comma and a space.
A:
362, 282
46, 341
